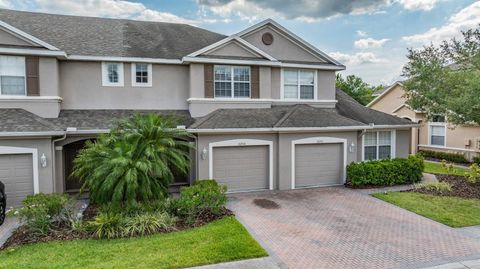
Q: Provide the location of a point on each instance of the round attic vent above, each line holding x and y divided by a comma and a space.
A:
267, 38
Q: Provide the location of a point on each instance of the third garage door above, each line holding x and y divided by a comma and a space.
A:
241, 168
318, 165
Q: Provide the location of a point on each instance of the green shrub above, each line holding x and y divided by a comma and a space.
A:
138, 208
443, 187
473, 174
41, 211
135, 162
476, 160
204, 197
108, 225
148, 223
451, 157
385, 172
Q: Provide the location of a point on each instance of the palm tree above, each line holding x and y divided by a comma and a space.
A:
135, 161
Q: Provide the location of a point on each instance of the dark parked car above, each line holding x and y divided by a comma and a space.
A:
3, 203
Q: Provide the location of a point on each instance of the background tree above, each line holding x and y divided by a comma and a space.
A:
135, 161
445, 79
356, 88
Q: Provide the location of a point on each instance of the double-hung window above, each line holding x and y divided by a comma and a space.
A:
12, 75
298, 84
141, 75
437, 129
377, 145
112, 74
232, 81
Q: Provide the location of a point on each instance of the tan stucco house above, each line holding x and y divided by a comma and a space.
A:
435, 134
261, 103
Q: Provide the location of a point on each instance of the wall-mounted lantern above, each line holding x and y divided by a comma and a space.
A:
351, 148
204, 153
43, 160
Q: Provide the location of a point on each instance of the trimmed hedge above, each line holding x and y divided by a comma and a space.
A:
476, 160
385, 172
451, 157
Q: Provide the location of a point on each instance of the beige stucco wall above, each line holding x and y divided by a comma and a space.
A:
197, 81
11, 40
49, 76
282, 48
390, 101
81, 88
403, 140
232, 49
43, 146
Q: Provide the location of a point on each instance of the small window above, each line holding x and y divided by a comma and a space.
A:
377, 145
141, 75
437, 129
299, 84
232, 81
12, 75
112, 74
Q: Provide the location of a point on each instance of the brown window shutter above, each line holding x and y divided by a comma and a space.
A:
208, 71
255, 82
31, 71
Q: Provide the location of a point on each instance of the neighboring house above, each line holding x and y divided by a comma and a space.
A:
435, 134
261, 103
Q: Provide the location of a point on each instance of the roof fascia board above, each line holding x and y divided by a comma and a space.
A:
27, 36
384, 93
123, 59
22, 134
281, 129
39, 52
293, 36
188, 59
314, 66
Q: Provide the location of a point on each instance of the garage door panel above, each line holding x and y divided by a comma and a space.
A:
241, 168
17, 175
318, 164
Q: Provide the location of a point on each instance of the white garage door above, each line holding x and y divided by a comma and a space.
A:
241, 168
17, 174
318, 165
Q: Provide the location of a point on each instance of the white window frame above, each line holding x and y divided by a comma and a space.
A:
437, 124
232, 96
105, 81
24, 79
282, 84
393, 144
134, 75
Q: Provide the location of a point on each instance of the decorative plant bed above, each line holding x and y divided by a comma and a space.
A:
460, 187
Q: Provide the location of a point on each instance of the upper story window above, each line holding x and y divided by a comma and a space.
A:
437, 131
12, 75
232, 81
377, 145
299, 84
112, 74
141, 75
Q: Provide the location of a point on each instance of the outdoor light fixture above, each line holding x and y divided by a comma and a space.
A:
204, 153
43, 160
351, 148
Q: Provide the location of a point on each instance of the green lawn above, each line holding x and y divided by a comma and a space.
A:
451, 211
220, 241
436, 168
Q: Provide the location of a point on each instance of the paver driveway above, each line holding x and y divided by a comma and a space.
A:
343, 228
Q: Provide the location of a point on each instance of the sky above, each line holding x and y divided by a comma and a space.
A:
370, 37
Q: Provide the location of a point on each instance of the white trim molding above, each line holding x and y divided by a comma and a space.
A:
242, 143
133, 73
429, 131
34, 152
121, 74
319, 140
39, 52
27, 36
123, 59
393, 143
446, 148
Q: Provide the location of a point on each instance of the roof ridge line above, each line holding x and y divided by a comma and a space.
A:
286, 116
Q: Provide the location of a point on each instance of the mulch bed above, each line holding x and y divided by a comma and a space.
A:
59, 233
460, 187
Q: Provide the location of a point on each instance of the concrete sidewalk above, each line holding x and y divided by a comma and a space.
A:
472, 264
8, 227
260, 263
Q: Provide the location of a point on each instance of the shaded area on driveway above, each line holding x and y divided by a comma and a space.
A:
343, 228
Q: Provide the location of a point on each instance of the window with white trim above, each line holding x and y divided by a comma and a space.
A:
12, 75
141, 75
232, 81
112, 74
298, 84
437, 129
377, 145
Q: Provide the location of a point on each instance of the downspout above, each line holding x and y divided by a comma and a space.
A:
69, 129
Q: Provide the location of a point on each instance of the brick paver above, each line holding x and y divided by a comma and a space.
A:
343, 228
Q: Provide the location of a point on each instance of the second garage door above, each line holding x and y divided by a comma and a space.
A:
16, 173
241, 168
318, 165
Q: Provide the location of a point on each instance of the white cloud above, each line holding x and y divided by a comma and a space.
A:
418, 4
357, 58
100, 8
366, 43
467, 18
5, 4
361, 33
